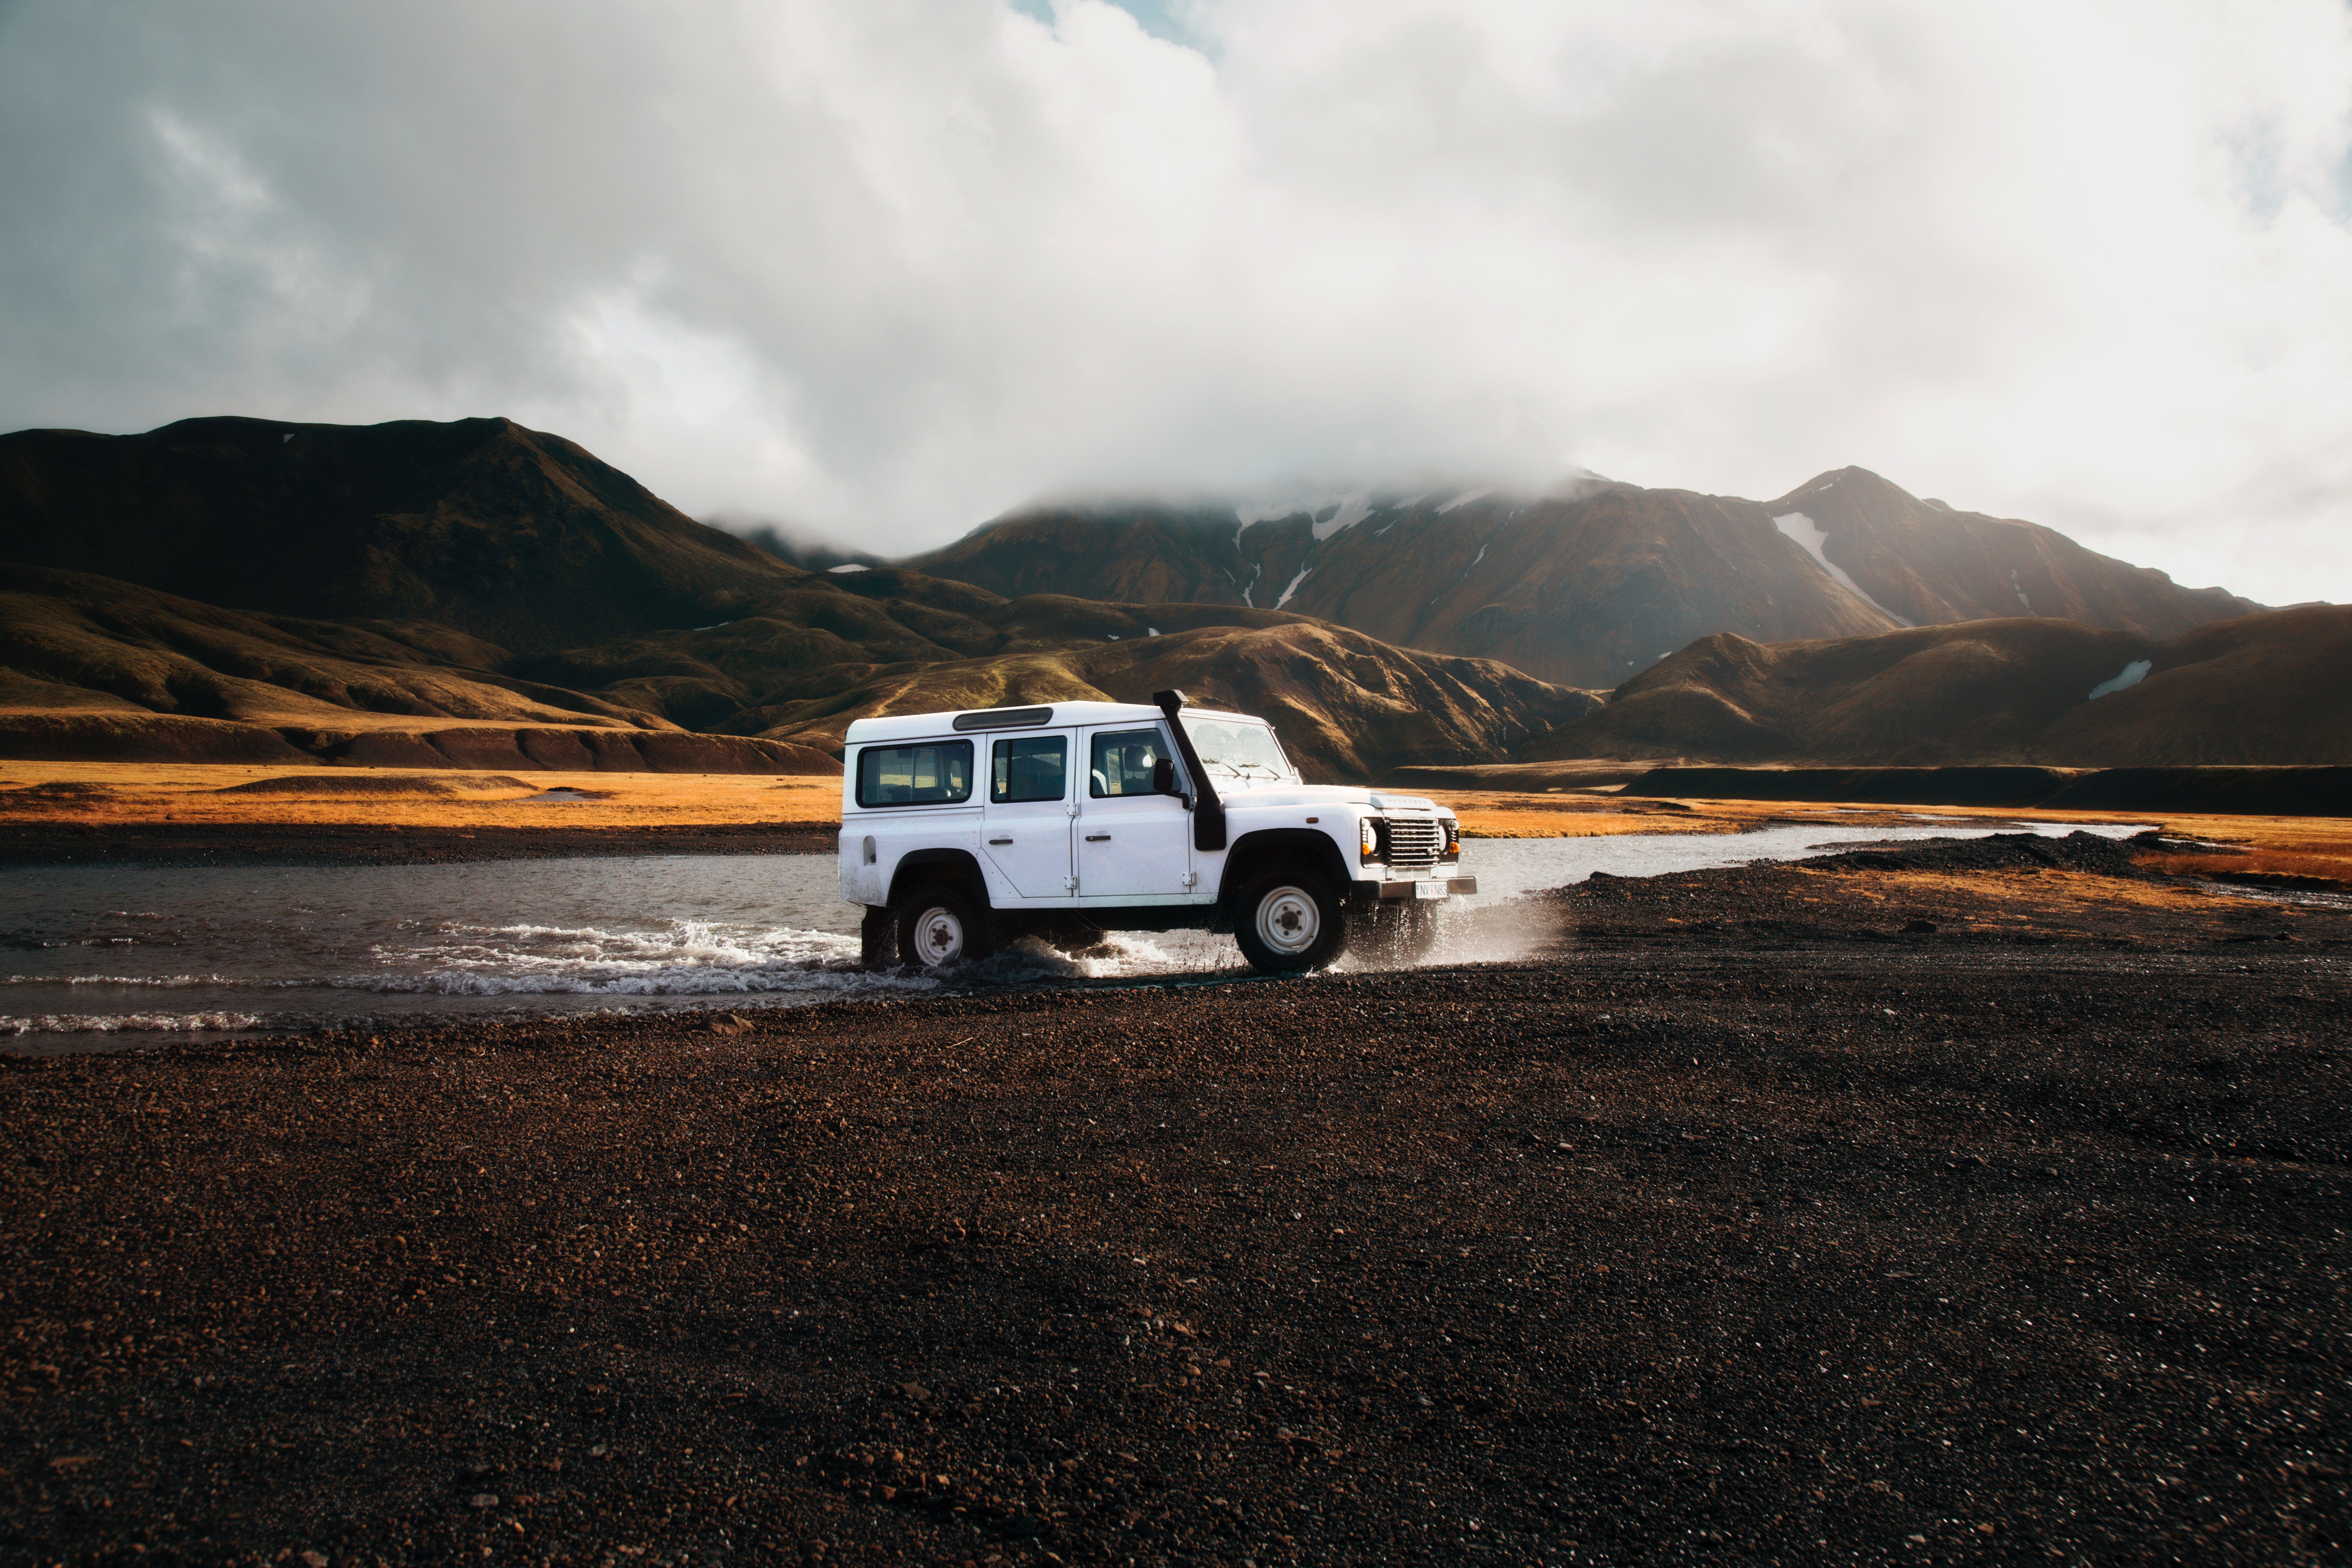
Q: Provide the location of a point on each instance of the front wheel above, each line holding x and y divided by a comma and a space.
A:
1405, 931
939, 930
1291, 921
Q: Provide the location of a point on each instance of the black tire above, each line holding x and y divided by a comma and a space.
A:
1290, 920
878, 939
939, 928
1405, 930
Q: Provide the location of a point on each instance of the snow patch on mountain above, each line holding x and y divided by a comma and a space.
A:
1808, 536
1350, 511
1327, 514
1303, 571
2132, 674
1466, 497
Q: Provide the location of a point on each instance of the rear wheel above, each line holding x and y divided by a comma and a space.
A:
1290, 922
877, 938
939, 928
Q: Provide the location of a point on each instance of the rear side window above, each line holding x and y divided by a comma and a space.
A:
1029, 767
1122, 762
936, 773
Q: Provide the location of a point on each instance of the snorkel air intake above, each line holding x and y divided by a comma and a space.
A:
1208, 811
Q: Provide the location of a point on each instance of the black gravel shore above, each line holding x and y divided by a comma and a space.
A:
1695, 1240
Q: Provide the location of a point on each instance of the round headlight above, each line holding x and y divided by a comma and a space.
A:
1371, 837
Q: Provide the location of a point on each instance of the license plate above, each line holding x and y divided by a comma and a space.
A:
1430, 889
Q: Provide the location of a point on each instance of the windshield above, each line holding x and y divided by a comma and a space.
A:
1237, 748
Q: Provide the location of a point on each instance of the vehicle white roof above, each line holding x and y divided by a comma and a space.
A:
1060, 716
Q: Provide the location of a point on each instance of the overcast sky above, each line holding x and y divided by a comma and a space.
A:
883, 269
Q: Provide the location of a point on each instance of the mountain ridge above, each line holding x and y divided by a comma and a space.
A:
1581, 585
419, 589
387, 591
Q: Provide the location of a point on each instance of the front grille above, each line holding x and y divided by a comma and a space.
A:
1414, 845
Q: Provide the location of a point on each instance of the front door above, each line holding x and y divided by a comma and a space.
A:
1027, 820
1135, 845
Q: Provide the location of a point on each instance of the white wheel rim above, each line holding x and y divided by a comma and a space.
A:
1289, 921
939, 937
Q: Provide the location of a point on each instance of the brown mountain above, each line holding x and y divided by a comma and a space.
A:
1587, 584
394, 593
360, 593
1927, 565
1347, 705
92, 668
510, 535
2272, 688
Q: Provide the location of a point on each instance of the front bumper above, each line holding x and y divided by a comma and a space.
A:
1367, 889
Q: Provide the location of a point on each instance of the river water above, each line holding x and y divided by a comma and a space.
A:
114, 957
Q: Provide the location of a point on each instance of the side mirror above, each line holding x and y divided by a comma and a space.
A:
1163, 776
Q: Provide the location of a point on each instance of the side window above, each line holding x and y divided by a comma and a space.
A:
1029, 767
1122, 762
936, 773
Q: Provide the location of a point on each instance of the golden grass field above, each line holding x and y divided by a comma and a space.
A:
128, 793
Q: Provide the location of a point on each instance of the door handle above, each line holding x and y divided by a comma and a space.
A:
1000, 841
1096, 837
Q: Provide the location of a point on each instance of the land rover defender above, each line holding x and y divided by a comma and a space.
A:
961, 832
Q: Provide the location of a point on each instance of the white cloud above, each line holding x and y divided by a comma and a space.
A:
883, 269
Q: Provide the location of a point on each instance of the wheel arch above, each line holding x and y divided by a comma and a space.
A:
1253, 852
958, 867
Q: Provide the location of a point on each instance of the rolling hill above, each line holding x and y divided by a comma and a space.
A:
1589, 584
1347, 706
92, 668
2272, 688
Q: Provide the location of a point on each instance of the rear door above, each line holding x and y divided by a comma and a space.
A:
1135, 847
1027, 820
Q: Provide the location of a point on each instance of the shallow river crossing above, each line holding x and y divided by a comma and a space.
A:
110, 958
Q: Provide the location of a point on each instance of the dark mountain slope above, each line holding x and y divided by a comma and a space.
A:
94, 642
2272, 688
1347, 702
1930, 564
95, 668
503, 533
1589, 584
1349, 709
92, 668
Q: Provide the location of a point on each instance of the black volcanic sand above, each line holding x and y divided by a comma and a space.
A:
368, 844
1683, 1242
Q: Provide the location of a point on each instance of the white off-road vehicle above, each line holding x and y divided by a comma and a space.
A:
963, 831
